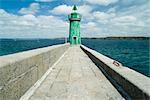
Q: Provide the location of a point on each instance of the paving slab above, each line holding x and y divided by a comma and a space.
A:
76, 77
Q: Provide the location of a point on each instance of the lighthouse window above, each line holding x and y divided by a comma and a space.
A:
74, 38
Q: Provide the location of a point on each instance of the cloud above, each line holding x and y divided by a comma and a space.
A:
132, 2
125, 20
137, 15
62, 9
30, 26
32, 9
90, 29
84, 10
103, 17
113, 23
102, 2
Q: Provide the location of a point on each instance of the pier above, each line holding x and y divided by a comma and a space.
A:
68, 72
75, 77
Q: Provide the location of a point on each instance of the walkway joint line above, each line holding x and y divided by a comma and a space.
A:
31, 91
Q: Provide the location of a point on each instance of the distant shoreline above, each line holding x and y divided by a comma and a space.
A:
104, 38
120, 38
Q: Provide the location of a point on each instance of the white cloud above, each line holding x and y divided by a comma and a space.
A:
30, 26
91, 24
102, 2
3, 13
25, 20
112, 23
90, 29
32, 9
64, 9
125, 20
84, 10
103, 17
132, 2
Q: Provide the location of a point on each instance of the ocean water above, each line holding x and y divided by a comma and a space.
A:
131, 53
9, 46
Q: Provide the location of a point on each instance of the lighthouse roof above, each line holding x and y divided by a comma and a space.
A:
74, 15
74, 7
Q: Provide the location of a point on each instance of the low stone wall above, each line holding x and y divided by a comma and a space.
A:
134, 84
19, 71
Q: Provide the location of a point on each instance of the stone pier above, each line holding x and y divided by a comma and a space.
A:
65, 72
76, 77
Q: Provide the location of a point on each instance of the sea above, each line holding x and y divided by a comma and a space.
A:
132, 53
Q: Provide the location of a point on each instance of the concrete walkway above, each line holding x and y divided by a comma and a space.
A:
76, 77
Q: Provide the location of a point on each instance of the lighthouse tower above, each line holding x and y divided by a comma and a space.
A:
74, 30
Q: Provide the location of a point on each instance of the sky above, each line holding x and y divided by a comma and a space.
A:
49, 18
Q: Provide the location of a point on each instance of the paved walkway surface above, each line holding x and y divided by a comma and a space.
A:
76, 77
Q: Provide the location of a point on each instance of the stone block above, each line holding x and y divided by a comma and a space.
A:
28, 80
5, 74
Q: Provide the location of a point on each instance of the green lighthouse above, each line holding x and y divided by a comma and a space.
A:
74, 30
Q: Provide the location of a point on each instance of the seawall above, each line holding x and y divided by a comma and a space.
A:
19, 71
130, 82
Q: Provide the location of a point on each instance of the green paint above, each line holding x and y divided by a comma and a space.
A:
74, 31
74, 7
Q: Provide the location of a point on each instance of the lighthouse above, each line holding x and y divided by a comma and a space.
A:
74, 29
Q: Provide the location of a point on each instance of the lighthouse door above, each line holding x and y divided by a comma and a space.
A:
75, 40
